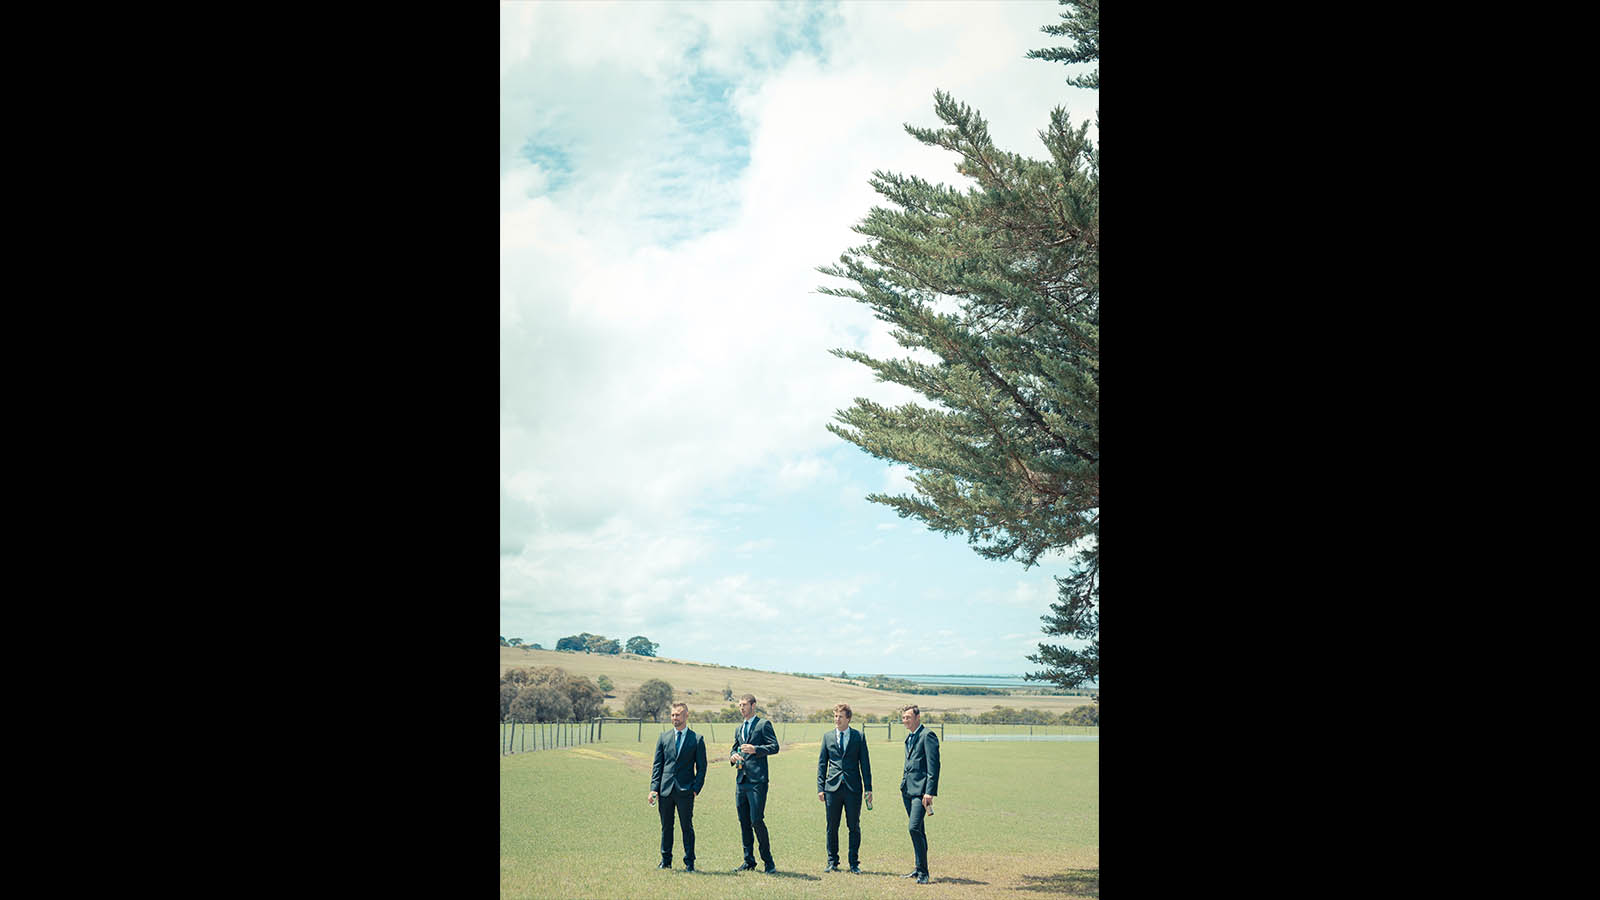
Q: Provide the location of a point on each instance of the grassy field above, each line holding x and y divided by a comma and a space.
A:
1010, 817
700, 685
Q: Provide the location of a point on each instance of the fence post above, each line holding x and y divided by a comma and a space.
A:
641, 730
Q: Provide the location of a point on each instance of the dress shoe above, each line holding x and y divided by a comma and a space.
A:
769, 870
688, 867
832, 867
910, 874
663, 865
922, 879
746, 867
855, 870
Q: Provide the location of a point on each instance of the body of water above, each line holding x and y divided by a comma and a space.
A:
994, 681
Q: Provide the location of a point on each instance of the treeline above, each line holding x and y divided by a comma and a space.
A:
1088, 714
548, 694
902, 686
639, 645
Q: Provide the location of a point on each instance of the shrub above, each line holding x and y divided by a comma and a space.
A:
650, 700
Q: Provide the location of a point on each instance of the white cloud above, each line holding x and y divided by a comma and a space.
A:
671, 176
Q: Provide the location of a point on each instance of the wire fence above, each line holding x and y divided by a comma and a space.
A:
529, 737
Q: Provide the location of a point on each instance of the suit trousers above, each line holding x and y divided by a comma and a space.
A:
751, 801
847, 802
919, 834
681, 800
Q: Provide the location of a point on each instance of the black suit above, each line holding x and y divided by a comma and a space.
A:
750, 786
921, 777
677, 774
842, 776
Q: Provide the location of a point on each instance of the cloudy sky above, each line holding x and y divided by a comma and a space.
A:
671, 176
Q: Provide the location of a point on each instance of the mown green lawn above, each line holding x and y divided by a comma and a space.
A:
1010, 817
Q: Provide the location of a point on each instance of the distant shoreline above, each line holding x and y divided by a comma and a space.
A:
997, 681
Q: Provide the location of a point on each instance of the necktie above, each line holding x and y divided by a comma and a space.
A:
843, 737
679, 751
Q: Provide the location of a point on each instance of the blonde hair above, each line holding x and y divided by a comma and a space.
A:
678, 703
844, 708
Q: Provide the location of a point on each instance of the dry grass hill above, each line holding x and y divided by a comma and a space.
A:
700, 685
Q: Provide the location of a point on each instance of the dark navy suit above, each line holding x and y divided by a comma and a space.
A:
921, 777
677, 774
750, 786
842, 777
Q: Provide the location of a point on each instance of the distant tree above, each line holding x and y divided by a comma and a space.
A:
503, 641
515, 676
515, 642
552, 675
508, 693
784, 710
572, 642
585, 696
641, 646
1087, 714
651, 699
538, 647
604, 683
727, 692
606, 646
540, 703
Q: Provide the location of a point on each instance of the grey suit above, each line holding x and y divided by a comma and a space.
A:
842, 776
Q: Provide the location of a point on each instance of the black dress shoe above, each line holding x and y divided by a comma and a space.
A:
832, 867
688, 867
910, 874
855, 870
770, 869
746, 867
663, 865
922, 879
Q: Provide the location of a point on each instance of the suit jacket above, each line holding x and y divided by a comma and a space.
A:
676, 769
754, 770
851, 770
922, 763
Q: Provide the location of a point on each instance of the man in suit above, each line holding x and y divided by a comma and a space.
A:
919, 785
753, 742
844, 771
676, 777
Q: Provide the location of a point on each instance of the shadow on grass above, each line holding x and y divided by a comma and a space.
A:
782, 874
1082, 882
757, 874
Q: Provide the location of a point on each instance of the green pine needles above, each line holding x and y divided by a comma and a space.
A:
998, 287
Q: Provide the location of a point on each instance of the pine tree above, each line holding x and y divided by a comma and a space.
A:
1000, 285
1081, 22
